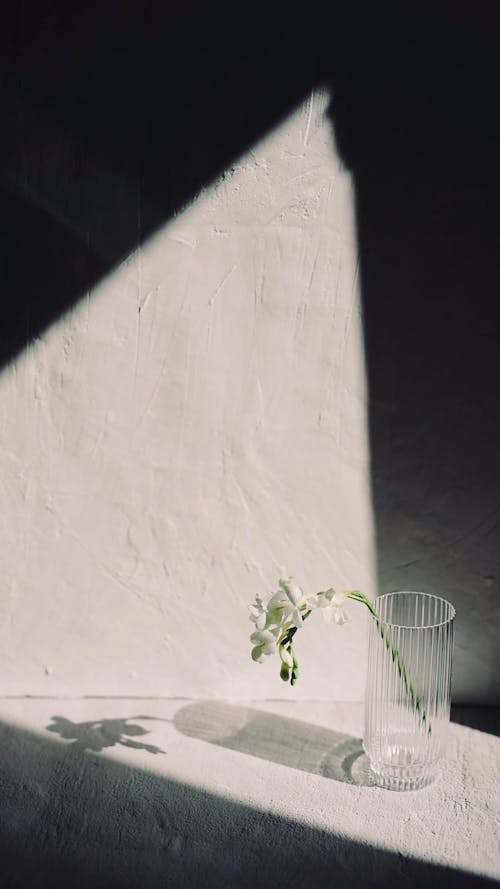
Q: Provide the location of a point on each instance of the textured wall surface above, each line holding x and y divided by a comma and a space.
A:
197, 422
192, 428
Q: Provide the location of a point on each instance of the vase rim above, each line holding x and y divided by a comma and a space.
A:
440, 623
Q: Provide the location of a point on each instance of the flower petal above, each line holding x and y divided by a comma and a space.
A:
341, 616
277, 599
262, 637
269, 647
257, 654
293, 591
295, 617
275, 615
313, 601
339, 598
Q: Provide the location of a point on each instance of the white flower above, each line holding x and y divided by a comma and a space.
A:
280, 610
282, 613
291, 604
333, 603
264, 642
278, 618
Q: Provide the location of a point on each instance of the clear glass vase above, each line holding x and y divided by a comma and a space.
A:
407, 703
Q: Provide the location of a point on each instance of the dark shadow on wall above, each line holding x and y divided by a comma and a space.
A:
75, 819
113, 118
414, 113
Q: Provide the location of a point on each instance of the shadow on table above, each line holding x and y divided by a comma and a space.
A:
289, 742
102, 733
72, 818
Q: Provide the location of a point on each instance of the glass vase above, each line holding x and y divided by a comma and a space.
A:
407, 703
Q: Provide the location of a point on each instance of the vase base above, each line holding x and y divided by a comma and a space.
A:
403, 782
400, 766
398, 775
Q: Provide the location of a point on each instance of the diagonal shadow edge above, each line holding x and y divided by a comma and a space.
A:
70, 816
93, 163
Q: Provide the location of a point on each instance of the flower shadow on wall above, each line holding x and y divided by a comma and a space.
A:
100, 733
279, 739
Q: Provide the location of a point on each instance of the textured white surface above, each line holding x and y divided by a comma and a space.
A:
194, 427
266, 794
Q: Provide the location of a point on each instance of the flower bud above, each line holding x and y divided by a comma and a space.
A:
285, 672
286, 657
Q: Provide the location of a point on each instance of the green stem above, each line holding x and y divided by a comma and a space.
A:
291, 674
416, 702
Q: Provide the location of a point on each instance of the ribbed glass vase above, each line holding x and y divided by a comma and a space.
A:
407, 703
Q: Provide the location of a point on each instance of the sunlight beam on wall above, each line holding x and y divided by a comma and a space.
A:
191, 430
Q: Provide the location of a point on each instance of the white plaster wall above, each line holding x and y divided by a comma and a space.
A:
192, 429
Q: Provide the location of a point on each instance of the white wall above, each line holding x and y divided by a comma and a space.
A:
192, 429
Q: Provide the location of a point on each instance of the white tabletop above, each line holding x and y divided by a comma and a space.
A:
176, 793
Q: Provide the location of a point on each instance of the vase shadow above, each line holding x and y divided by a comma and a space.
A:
280, 739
